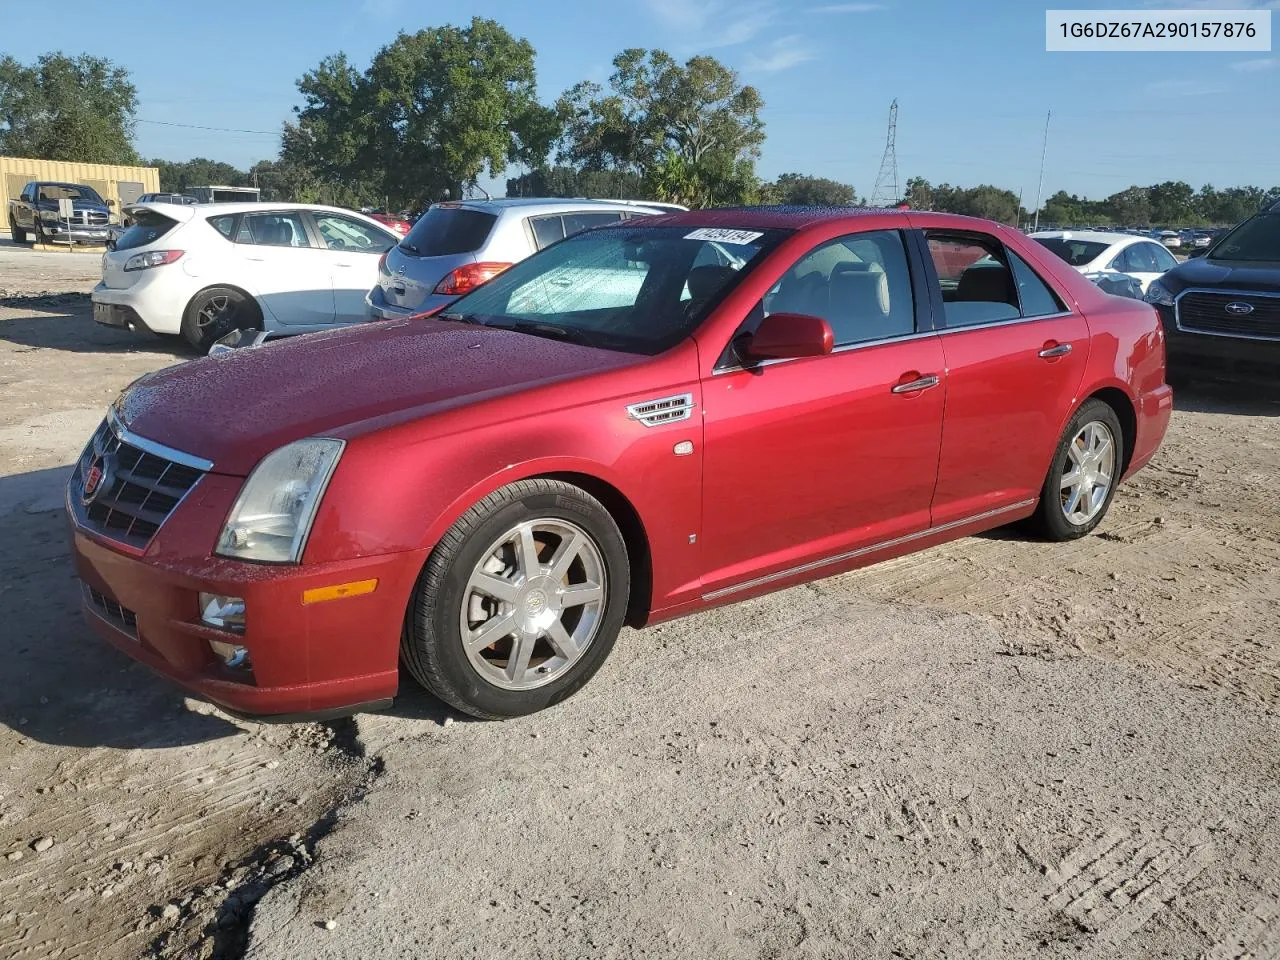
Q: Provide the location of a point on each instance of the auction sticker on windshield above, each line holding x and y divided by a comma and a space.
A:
715, 235
1205, 27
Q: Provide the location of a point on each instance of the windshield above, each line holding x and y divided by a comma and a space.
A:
630, 288
1258, 238
67, 191
443, 231
1078, 253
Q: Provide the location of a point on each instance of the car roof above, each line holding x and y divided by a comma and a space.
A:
781, 216
536, 205
1089, 236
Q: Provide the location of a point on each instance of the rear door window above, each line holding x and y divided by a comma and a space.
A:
148, 227
546, 230
273, 230
444, 231
343, 233
575, 222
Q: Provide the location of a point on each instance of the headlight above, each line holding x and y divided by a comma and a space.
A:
1157, 292
156, 258
50, 216
272, 516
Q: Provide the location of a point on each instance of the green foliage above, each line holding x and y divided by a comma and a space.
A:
564, 181
801, 190
199, 172
432, 112
67, 108
986, 201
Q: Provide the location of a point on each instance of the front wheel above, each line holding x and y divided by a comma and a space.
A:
1082, 479
520, 603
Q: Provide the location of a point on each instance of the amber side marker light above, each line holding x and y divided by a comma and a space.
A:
339, 591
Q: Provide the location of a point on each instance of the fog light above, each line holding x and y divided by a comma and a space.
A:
225, 613
230, 654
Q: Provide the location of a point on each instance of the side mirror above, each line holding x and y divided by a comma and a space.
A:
782, 336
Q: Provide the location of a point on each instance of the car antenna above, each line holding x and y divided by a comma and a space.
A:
482, 190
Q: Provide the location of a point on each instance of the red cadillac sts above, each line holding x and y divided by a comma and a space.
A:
642, 421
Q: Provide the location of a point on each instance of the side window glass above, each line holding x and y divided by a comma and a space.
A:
860, 284
1164, 259
1037, 299
343, 233
547, 230
272, 230
1122, 262
573, 222
977, 284
223, 224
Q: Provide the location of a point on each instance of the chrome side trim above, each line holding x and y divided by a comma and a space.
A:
654, 413
861, 551
151, 446
863, 345
1232, 292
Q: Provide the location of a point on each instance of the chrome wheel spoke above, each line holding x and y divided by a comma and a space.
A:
562, 641
491, 631
576, 596
527, 550
1076, 452
564, 556
1073, 501
493, 586
518, 660
1072, 479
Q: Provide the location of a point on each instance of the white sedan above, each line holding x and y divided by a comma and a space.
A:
207, 269
1097, 252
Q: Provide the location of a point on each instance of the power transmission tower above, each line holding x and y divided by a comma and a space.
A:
886, 192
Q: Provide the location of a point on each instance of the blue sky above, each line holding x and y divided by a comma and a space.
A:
973, 81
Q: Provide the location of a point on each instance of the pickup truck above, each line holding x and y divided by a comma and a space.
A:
35, 213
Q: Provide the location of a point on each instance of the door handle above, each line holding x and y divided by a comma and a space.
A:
1057, 350
915, 386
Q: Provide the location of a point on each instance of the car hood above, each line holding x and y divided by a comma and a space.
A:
75, 205
236, 408
1228, 274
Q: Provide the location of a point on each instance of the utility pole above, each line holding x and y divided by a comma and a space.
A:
886, 192
1044, 151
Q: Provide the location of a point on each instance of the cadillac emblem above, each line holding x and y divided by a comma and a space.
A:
96, 479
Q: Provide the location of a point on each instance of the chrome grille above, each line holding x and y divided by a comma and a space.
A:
109, 609
139, 489
1202, 311
652, 413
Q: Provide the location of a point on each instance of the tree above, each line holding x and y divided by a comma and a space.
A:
433, 110
64, 108
564, 181
198, 172
919, 195
1171, 202
805, 191
692, 130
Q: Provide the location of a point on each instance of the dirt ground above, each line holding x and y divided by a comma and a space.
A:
998, 748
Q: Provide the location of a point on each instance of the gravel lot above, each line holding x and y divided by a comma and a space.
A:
996, 748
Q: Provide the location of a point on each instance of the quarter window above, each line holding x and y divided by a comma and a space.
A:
223, 224
860, 284
1036, 297
546, 230
574, 222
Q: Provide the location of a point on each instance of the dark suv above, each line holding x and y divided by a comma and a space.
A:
1221, 309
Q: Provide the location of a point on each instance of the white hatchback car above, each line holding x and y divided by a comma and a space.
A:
207, 269
1091, 252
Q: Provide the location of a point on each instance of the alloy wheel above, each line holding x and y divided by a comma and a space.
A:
533, 603
1088, 472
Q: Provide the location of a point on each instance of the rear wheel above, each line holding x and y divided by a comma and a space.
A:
16, 233
1082, 480
215, 312
520, 603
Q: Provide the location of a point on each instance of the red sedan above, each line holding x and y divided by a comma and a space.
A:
641, 421
399, 224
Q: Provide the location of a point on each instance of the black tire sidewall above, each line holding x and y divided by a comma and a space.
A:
1052, 520
438, 634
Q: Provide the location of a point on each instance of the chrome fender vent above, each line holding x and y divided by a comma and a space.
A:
653, 413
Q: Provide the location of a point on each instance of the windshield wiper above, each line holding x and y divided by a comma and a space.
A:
410, 247
462, 318
552, 331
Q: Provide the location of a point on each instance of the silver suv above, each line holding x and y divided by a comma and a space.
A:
456, 246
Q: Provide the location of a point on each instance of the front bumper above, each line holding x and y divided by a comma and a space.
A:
75, 233
1219, 357
322, 658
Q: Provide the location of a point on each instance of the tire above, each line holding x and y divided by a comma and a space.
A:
215, 312
1093, 434
16, 233
452, 601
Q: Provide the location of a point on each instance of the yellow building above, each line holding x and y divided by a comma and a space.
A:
114, 182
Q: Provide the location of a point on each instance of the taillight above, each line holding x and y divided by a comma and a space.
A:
156, 258
467, 278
